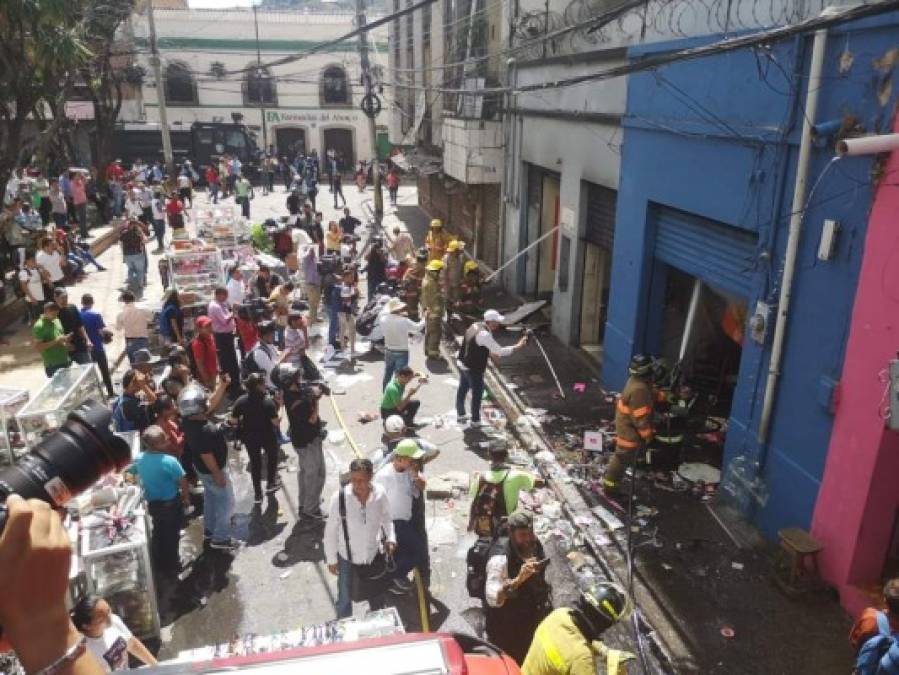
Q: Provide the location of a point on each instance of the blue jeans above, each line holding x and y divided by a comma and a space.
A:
133, 344
411, 548
333, 327
137, 271
159, 232
393, 361
469, 379
344, 588
218, 505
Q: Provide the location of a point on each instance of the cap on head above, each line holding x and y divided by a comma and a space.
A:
142, 357
493, 315
409, 448
435, 266
640, 365
520, 520
395, 305
204, 322
394, 424
436, 223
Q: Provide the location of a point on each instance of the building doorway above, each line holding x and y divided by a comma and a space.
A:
341, 142
594, 298
290, 141
537, 268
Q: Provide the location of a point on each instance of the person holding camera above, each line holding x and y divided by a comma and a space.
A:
397, 399
301, 400
478, 346
255, 415
517, 595
375, 266
349, 305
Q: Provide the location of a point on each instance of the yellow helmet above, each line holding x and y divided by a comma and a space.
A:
436, 223
470, 266
435, 266
455, 245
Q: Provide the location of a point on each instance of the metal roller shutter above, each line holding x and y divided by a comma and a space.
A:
720, 255
601, 204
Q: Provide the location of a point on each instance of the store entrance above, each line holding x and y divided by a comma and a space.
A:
537, 269
291, 141
341, 142
701, 344
594, 298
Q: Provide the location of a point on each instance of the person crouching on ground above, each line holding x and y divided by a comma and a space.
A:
397, 399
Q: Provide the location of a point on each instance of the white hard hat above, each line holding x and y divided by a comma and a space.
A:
394, 424
493, 315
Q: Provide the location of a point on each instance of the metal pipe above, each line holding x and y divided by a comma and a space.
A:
519, 254
550, 366
868, 145
167, 153
795, 230
691, 317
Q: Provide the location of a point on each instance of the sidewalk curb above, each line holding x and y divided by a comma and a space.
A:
614, 565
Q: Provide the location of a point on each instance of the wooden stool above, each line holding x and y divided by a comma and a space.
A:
799, 547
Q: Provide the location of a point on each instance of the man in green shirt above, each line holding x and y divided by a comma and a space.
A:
51, 341
397, 400
242, 190
513, 482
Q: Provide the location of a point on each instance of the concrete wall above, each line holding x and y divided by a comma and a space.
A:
198, 38
858, 501
717, 137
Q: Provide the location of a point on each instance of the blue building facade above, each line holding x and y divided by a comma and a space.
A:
708, 167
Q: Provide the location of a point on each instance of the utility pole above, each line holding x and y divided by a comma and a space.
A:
371, 106
262, 92
167, 153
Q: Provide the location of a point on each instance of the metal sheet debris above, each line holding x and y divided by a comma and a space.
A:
610, 520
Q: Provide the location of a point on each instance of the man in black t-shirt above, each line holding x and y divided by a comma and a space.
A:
306, 436
265, 282
255, 414
70, 318
136, 403
209, 445
348, 223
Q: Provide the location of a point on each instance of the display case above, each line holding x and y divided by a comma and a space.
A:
116, 563
65, 391
11, 442
196, 272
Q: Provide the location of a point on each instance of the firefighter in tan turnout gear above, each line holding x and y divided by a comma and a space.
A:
633, 420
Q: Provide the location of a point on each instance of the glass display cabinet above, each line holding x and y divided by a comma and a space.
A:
12, 445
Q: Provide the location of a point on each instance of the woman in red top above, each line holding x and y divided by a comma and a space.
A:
203, 348
393, 184
247, 332
174, 208
167, 419
212, 181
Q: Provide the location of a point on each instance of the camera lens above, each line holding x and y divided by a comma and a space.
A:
69, 461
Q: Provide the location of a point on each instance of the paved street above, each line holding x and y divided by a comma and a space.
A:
278, 580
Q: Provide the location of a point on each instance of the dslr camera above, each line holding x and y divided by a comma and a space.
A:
315, 388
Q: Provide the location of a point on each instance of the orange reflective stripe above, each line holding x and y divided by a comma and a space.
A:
624, 443
642, 411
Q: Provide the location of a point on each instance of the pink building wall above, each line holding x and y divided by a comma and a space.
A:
859, 496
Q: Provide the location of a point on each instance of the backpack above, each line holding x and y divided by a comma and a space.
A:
879, 655
476, 561
249, 366
488, 508
119, 422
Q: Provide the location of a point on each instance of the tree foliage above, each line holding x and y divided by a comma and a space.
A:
41, 46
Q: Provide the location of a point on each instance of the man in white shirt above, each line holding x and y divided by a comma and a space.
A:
396, 326
366, 523
236, 288
403, 246
478, 346
133, 322
264, 355
402, 483
50, 260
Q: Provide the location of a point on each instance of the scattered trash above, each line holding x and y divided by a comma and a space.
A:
285, 573
593, 440
667, 567
282, 557
728, 632
336, 437
442, 532
610, 520
579, 387
366, 417
737, 565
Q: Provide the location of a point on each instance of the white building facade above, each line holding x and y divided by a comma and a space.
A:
211, 70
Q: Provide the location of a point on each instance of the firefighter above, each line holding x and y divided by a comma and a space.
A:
451, 276
470, 290
567, 641
437, 240
434, 305
410, 290
672, 415
633, 420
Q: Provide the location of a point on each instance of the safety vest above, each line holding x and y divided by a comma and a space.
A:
633, 414
559, 648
